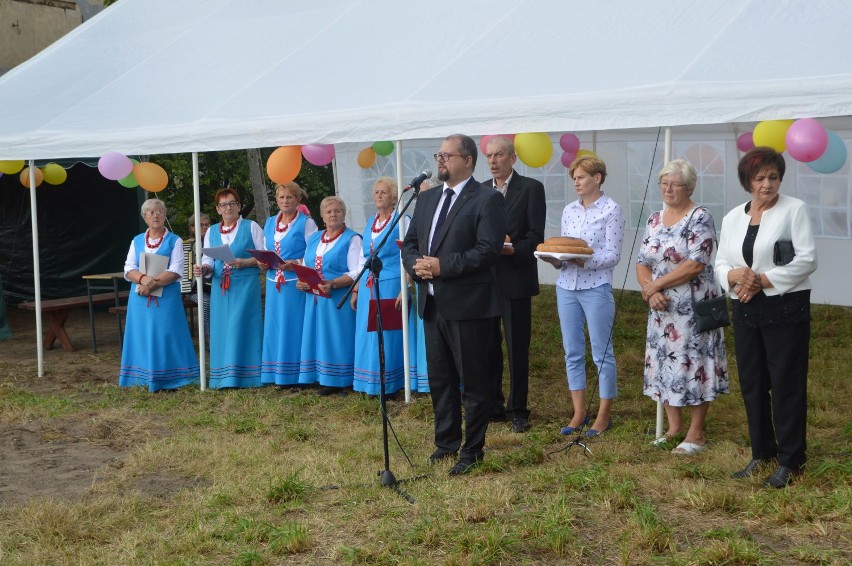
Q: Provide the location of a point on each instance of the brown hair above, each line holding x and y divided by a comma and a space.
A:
227, 191
755, 161
591, 164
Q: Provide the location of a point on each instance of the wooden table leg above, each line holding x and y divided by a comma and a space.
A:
56, 320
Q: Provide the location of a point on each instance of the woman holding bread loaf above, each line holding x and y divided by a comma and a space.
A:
683, 366
592, 230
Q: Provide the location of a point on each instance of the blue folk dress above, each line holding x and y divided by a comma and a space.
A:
236, 317
419, 374
367, 370
285, 307
157, 352
328, 338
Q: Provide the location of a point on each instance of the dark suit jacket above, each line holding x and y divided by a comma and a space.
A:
467, 247
526, 210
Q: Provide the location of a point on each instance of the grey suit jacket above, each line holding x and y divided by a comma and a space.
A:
467, 247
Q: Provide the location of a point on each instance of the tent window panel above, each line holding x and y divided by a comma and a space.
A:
709, 160
829, 200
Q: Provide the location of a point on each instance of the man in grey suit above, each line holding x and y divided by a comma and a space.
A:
450, 250
517, 275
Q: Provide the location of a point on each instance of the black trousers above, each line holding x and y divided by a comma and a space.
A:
517, 328
773, 365
454, 355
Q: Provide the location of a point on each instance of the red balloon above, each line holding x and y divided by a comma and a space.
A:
569, 143
568, 158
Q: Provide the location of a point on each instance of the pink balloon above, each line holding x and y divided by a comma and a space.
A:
569, 143
745, 141
806, 140
483, 143
114, 165
318, 154
567, 158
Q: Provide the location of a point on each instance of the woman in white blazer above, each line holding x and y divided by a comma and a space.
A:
771, 312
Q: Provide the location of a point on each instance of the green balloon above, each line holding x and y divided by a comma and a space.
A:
130, 182
383, 148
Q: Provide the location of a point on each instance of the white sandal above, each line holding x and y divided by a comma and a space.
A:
689, 448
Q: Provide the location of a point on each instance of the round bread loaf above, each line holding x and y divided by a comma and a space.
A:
562, 245
563, 249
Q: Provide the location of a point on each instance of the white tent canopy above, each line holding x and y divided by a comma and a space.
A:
159, 76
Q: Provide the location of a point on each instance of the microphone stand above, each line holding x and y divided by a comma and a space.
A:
374, 264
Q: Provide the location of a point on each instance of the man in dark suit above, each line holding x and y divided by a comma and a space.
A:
450, 250
517, 275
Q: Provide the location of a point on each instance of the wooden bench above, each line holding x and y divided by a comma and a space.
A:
57, 313
188, 306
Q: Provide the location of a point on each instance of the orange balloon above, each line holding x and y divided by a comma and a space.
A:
284, 164
150, 176
25, 177
367, 158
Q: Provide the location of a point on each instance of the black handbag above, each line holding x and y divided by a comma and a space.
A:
709, 313
783, 253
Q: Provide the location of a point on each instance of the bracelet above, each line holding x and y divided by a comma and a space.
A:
333, 284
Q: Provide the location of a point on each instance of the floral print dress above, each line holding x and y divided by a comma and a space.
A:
683, 367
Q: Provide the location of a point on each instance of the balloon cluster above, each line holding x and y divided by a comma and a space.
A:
806, 140
51, 173
535, 149
367, 156
131, 173
285, 162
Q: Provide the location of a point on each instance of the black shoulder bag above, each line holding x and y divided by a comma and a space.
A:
709, 313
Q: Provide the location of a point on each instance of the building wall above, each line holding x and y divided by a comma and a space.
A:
28, 26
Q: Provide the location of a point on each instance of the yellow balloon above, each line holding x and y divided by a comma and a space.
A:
586, 152
11, 167
534, 149
25, 177
366, 158
772, 133
54, 174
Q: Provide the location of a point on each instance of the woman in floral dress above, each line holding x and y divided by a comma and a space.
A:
683, 367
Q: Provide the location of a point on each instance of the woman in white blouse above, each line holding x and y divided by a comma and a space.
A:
584, 291
771, 312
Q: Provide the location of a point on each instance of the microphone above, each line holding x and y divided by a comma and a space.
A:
416, 181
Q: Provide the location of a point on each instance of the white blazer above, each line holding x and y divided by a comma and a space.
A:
787, 220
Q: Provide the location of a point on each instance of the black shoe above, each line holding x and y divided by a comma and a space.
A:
781, 477
748, 471
520, 424
463, 467
439, 455
325, 391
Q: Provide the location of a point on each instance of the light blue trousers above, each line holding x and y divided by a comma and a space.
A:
595, 307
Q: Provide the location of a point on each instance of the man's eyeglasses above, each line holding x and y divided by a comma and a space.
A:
231, 204
665, 185
446, 156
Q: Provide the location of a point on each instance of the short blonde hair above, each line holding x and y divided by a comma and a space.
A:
334, 198
591, 164
683, 168
293, 188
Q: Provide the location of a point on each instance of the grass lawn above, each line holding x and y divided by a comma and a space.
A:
268, 477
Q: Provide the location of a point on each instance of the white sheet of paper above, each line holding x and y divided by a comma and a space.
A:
153, 265
222, 253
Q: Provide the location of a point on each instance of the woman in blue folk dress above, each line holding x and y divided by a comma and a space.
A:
157, 351
236, 318
328, 337
683, 367
367, 369
286, 234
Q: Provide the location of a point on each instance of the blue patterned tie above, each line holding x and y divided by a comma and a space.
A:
448, 200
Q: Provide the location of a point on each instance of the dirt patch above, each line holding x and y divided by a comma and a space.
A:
65, 457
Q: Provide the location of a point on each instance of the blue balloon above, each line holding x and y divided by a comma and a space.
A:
833, 158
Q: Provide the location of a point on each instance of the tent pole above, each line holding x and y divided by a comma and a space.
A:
406, 355
36, 269
667, 156
199, 283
